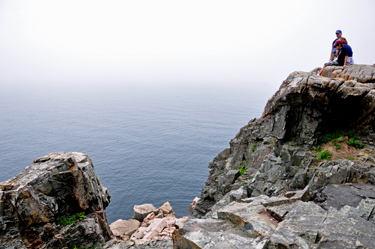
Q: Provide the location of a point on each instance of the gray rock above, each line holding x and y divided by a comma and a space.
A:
365, 209
54, 185
340, 195
275, 150
141, 211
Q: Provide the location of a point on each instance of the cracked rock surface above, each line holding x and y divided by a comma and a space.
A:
55, 185
265, 204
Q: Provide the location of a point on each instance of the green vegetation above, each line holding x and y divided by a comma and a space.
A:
356, 143
340, 139
353, 134
351, 158
251, 177
253, 148
325, 155
70, 219
317, 149
353, 140
338, 146
243, 168
92, 247
328, 137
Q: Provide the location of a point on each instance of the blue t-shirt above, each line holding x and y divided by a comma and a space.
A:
349, 49
333, 48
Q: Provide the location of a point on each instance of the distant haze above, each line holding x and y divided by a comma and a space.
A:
175, 42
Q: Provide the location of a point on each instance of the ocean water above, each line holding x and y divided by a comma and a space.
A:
148, 144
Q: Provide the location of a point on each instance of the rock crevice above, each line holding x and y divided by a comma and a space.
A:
277, 152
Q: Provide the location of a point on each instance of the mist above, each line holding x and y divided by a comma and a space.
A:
84, 43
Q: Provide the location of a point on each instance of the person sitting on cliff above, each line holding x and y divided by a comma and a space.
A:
349, 49
333, 50
342, 56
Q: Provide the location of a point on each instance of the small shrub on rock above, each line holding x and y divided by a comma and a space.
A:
353, 134
328, 137
356, 143
317, 149
325, 155
243, 168
70, 219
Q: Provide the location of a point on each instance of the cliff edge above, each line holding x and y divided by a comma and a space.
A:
300, 176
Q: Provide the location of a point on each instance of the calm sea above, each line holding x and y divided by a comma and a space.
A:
148, 144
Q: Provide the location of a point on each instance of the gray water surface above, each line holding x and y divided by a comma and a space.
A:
148, 144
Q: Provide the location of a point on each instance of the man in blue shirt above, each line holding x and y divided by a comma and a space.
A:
333, 51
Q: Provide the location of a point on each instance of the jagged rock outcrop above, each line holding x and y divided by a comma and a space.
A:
275, 147
155, 229
275, 153
59, 184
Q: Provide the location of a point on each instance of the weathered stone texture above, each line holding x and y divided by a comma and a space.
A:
276, 151
54, 185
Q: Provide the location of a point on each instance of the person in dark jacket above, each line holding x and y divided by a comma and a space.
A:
342, 56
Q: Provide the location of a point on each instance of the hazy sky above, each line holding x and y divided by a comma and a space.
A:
175, 42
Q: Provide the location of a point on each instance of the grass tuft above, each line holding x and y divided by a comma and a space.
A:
325, 155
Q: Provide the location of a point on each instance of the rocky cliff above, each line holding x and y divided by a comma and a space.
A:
300, 176
56, 202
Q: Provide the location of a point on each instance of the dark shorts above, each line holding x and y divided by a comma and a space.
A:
332, 63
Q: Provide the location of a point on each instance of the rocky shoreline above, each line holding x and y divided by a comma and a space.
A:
300, 176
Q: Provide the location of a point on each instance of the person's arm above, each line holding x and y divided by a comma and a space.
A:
330, 57
346, 59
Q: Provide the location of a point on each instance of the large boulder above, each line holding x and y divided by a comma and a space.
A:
54, 187
285, 221
275, 148
274, 157
124, 228
141, 211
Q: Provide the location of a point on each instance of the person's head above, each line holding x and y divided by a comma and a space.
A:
338, 44
338, 33
343, 40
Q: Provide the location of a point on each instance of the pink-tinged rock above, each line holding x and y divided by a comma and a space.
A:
124, 227
150, 235
157, 225
141, 211
160, 214
167, 210
193, 204
137, 235
149, 218
142, 230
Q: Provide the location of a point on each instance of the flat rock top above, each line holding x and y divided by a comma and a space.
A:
359, 73
53, 162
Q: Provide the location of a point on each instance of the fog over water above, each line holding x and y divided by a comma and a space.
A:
153, 90
175, 42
